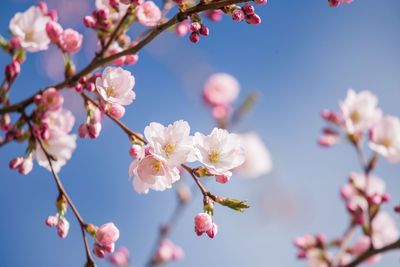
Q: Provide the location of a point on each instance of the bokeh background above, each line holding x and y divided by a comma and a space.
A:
301, 59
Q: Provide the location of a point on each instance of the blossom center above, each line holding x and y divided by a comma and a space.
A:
355, 116
387, 142
214, 157
29, 35
156, 165
169, 149
110, 91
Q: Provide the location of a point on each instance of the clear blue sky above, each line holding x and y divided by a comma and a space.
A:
301, 59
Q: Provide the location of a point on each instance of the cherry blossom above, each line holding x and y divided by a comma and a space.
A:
359, 111
221, 89
384, 230
148, 13
115, 86
220, 151
30, 28
107, 234
120, 257
114, 14
385, 138
59, 122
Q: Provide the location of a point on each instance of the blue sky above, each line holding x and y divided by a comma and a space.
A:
301, 59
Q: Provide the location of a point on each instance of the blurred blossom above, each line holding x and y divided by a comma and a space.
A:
258, 160
384, 230
385, 138
221, 89
120, 257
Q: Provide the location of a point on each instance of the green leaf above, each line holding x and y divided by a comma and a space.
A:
235, 204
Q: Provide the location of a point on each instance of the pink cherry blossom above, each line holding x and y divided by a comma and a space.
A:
115, 86
173, 143
384, 230
52, 221
221, 89
131, 59
148, 13
63, 227
258, 160
94, 129
16, 162
71, 41
61, 147
114, 14
59, 122
203, 222
167, 252
153, 172
54, 31
363, 244
120, 257
117, 111
30, 28
385, 138
360, 111
107, 234
220, 151
52, 99
375, 184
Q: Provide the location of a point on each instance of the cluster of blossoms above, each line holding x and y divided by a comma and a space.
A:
59, 220
167, 252
246, 12
105, 237
360, 114
68, 40
365, 193
203, 223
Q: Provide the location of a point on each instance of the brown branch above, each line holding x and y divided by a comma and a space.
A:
90, 261
371, 252
99, 62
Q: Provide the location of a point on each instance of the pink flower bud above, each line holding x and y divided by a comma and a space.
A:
110, 248
204, 30
45, 135
135, 151
89, 21
107, 234
203, 222
248, 9
37, 99
137, 2
54, 31
131, 59
97, 115
220, 111
83, 131
351, 207
9, 136
90, 87
334, 3
53, 15
114, 4
177, 253
397, 209
194, 37
386, 197
79, 88
16, 162
375, 199
63, 227
301, 254
52, 99
52, 221
253, 19
224, 178
43, 7
26, 166
71, 41
328, 140
182, 28
195, 27
331, 116
36, 130
102, 14
359, 218
126, 2
12, 70
15, 42
260, 2
347, 191
94, 130
238, 15
99, 251
213, 231
321, 238
117, 111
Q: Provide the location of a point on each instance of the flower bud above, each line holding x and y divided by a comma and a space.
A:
182, 28
53, 15
43, 7
79, 88
102, 14
12, 70
397, 209
213, 231
347, 191
260, 2
375, 199
248, 9
83, 130
135, 151
194, 37
45, 135
177, 253
334, 3
195, 27
89, 21
110, 248
16, 162
99, 251
204, 30
94, 130
203, 222
224, 178
63, 227
253, 19
15, 42
90, 87
107, 234
92, 229
51, 221
117, 111
238, 15
114, 4
71, 41
386, 197
54, 31
26, 166
131, 59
